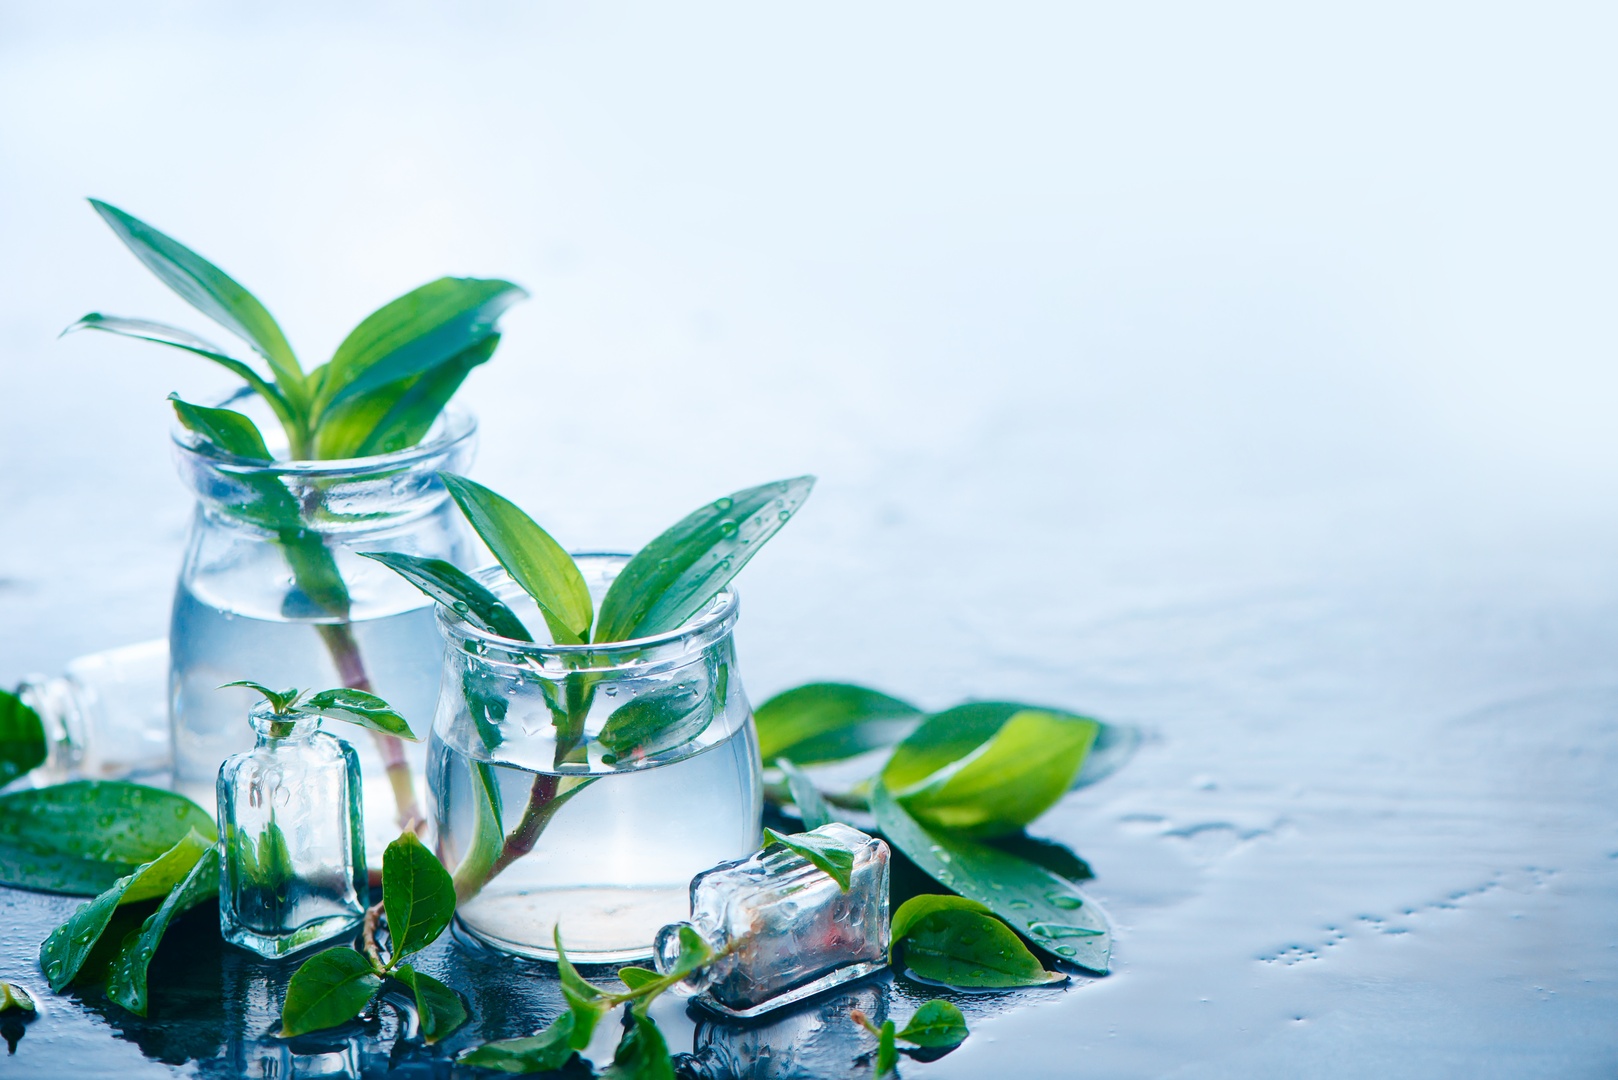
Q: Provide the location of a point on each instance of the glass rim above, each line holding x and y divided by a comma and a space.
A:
454, 426
717, 618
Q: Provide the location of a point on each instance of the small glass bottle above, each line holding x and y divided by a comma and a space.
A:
292, 828
784, 929
105, 716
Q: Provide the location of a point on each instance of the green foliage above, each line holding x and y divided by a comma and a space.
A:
828, 722
547, 1051
954, 941
657, 721
887, 1054
455, 588
14, 998
812, 806
439, 1008
344, 703
126, 985
22, 738
642, 1054
417, 894
828, 856
936, 1025
330, 988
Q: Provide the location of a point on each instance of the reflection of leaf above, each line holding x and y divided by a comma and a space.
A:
828, 722
440, 1009
329, 989
417, 893
828, 856
22, 738
127, 983
657, 721
936, 1025
642, 1054
960, 945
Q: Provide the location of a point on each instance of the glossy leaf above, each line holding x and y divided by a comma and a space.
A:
642, 1054
534, 560
948, 736
587, 1002
828, 856
457, 590
397, 416
22, 738
81, 837
937, 1025
887, 1054
329, 989
413, 334
417, 893
1043, 907
14, 998
358, 707
126, 984
920, 906
656, 721
811, 804
281, 701
210, 290
439, 1009
968, 949
1059, 859
550, 1049
695, 952
674, 577
63, 953
225, 429
488, 836
829, 722
1008, 781
637, 977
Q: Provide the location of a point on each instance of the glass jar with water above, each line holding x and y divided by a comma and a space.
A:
272, 589
583, 786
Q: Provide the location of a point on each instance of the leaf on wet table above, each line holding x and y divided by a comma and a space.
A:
126, 984
457, 590
829, 722
917, 907
811, 804
439, 1009
81, 837
329, 989
961, 945
1047, 909
225, 429
1007, 781
936, 1025
358, 707
547, 1051
533, 559
14, 998
642, 1054
1059, 859
830, 857
677, 574
22, 738
657, 721
950, 735
417, 893
64, 952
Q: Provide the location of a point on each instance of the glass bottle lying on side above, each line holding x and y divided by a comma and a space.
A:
105, 717
784, 929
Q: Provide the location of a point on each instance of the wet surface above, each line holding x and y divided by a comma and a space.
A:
1242, 376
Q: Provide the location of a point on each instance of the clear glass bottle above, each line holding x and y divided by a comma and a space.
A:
291, 826
784, 928
584, 785
105, 716
272, 588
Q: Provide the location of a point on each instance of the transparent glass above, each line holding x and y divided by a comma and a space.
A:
273, 589
784, 929
105, 716
292, 831
584, 785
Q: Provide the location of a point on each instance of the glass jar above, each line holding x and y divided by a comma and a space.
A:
105, 717
583, 786
273, 589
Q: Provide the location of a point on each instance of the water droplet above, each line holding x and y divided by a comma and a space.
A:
461, 606
727, 527
1064, 901
1066, 950
1018, 903
785, 515
610, 691
1060, 930
724, 504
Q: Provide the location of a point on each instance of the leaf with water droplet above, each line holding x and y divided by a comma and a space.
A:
952, 940
358, 707
935, 1026
449, 584
126, 984
830, 857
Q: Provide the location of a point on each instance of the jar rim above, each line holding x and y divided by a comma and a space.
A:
713, 621
454, 426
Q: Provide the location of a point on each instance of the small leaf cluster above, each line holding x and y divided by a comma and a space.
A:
343, 703
380, 391
334, 986
937, 1025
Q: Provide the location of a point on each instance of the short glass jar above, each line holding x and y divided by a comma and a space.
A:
273, 589
583, 786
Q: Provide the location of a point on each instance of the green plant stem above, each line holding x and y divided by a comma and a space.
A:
373, 915
345, 654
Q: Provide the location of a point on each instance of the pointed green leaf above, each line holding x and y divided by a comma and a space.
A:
439, 1008
829, 721
935, 1026
969, 950
397, 416
828, 856
545, 1052
329, 989
488, 836
226, 429
22, 738
637, 977
587, 1001
917, 907
457, 590
657, 721
642, 1054
358, 707
15, 998
281, 701
126, 985
417, 894
211, 291
534, 560
811, 804
679, 573
887, 1054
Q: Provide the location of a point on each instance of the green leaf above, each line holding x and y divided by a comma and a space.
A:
488, 835
812, 806
211, 291
22, 738
281, 701
534, 560
1057, 858
642, 1054
936, 1025
970, 950
314, 570
1007, 781
81, 837
917, 907
358, 707
417, 893
887, 1054
657, 721
15, 998
950, 735
126, 985
828, 722
227, 430
830, 857
397, 416
1045, 908
547, 1051
413, 334
457, 590
329, 989
587, 1001
637, 977
695, 952
439, 1008
64, 952
676, 575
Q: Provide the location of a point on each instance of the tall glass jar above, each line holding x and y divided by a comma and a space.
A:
273, 589
583, 786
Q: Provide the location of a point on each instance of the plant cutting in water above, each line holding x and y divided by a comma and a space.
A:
380, 392
665, 585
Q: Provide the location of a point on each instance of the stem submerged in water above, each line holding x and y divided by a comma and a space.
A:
345, 654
